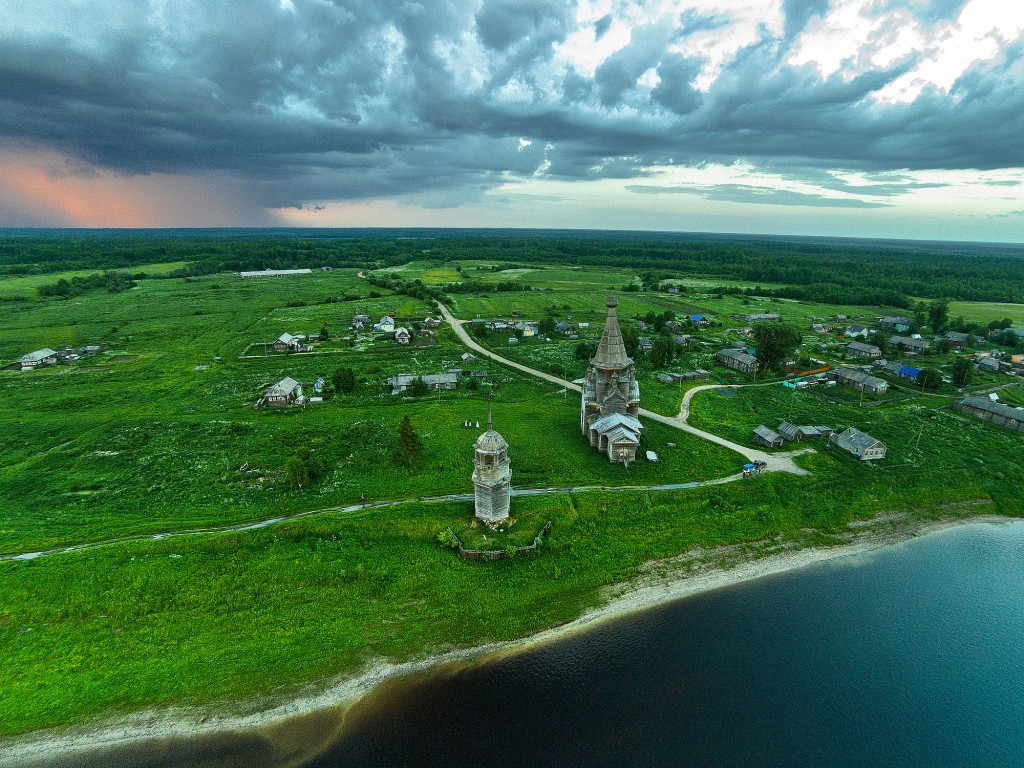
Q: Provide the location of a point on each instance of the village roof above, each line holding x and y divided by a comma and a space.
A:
283, 388
909, 370
739, 355
468, 357
644, 340
766, 433
563, 326
697, 318
962, 338
1001, 409
430, 379
856, 328
860, 377
895, 320
38, 355
611, 350
855, 439
286, 338
789, 430
859, 346
907, 341
403, 331
763, 316
665, 378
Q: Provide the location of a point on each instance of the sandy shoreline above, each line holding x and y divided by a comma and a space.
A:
660, 582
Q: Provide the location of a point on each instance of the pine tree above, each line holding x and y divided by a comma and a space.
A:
410, 446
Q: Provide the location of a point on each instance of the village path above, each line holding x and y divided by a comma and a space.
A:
776, 462
352, 508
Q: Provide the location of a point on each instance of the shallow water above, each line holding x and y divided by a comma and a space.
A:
908, 656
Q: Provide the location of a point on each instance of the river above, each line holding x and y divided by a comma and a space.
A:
907, 656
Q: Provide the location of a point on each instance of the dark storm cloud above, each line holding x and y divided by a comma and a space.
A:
357, 99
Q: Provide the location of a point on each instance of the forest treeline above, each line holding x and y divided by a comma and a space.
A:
822, 270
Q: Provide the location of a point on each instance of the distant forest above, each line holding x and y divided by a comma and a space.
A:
818, 269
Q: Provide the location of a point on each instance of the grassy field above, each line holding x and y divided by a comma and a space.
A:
137, 440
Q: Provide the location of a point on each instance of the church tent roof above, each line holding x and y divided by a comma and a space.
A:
611, 350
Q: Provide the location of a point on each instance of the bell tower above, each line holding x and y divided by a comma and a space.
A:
492, 476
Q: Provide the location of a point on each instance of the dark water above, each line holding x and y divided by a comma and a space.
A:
912, 656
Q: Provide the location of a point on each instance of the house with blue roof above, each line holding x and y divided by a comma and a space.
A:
699, 320
908, 372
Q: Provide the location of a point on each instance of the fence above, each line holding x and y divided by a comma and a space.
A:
501, 554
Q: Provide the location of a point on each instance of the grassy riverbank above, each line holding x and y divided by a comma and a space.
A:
210, 620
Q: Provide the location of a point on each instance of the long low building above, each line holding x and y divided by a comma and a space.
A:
276, 273
851, 377
998, 413
435, 381
860, 349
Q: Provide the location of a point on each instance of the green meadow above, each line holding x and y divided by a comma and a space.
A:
158, 435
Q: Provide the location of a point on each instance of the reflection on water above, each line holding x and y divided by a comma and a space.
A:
909, 656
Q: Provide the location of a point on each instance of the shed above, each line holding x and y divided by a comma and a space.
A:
767, 437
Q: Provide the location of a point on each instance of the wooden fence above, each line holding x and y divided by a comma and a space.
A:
501, 554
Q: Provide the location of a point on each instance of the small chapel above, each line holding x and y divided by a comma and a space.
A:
492, 476
610, 401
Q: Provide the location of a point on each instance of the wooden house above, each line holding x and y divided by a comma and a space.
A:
910, 344
959, 340
860, 349
997, 413
857, 332
44, 356
790, 432
865, 382
860, 444
286, 343
767, 437
898, 323
763, 317
738, 360
285, 392
645, 345
402, 335
434, 381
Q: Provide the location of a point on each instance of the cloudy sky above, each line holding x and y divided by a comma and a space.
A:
879, 118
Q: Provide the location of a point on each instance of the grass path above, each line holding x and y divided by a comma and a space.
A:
778, 462
253, 526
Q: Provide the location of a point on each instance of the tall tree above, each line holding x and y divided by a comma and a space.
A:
418, 387
963, 371
775, 342
410, 447
344, 380
938, 313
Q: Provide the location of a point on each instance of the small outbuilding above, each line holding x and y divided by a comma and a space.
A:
767, 437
